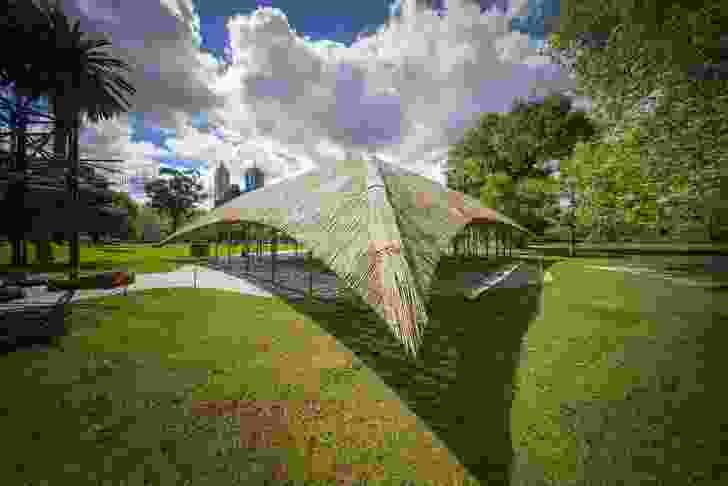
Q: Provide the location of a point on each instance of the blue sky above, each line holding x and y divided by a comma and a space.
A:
291, 85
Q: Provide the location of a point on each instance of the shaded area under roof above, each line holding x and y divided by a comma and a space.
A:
381, 228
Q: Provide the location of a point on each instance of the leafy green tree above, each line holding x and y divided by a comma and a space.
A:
89, 84
625, 53
61, 64
122, 200
503, 161
177, 196
609, 188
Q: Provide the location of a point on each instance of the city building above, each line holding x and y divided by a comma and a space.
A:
254, 179
222, 182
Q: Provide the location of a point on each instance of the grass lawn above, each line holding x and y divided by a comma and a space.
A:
617, 381
139, 258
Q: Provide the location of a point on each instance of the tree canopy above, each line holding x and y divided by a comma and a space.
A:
640, 63
176, 196
504, 160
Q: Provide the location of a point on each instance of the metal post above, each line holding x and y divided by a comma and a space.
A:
230, 243
274, 251
497, 238
487, 241
247, 245
310, 274
473, 242
480, 241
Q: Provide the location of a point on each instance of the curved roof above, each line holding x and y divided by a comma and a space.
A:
379, 227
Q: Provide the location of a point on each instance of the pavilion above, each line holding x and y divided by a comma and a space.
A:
381, 228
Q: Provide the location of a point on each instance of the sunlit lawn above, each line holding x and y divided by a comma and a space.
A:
139, 258
619, 382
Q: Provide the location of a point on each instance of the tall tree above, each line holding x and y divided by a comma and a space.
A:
611, 194
176, 196
504, 160
85, 82
625, 53
122, 200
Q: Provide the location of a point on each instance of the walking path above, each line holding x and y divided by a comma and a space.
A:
234, 277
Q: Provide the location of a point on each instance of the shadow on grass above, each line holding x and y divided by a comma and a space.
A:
462, 383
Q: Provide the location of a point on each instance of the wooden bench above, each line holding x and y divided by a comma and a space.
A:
18, 321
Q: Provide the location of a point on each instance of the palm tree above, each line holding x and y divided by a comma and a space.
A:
85, 81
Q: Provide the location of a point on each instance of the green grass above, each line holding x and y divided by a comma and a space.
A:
618, 382
114, 398
138, 258
636, 248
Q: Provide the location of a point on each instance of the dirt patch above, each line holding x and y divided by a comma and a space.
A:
286, 425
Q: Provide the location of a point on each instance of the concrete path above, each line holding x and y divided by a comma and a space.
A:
191, 276
184, 277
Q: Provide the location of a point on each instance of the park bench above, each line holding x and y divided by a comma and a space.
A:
30, 320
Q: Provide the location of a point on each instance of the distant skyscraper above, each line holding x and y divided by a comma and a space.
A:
254, 179
222, 182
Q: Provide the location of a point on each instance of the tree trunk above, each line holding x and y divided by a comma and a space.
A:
75, 269
19, 186
63, 152
45, 251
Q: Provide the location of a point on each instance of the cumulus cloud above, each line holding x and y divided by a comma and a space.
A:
409, 89
404, 91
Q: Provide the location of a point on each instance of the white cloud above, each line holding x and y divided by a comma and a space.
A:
406, 92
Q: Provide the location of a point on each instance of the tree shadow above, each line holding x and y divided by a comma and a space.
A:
462, 383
